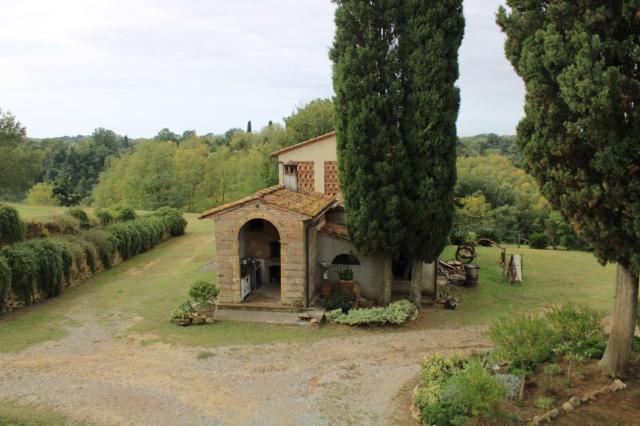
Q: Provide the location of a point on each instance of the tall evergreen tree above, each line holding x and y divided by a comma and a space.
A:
368, 102
395, 65
249, 126
431, 34
579, 61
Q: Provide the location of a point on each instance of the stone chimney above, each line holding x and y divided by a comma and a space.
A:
290, 176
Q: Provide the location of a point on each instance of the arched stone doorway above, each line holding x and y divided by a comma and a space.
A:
260, 262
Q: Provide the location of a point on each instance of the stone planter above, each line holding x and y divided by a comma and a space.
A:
183, 321
208, 313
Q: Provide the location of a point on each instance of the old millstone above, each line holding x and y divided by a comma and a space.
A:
617, 385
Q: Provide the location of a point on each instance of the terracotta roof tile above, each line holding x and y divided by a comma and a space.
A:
301, 144
308, 204
335, 230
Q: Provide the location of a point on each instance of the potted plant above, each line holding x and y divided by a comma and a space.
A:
183, 313
204, 293
346, 282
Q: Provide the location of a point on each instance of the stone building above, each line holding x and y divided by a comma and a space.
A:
276, 246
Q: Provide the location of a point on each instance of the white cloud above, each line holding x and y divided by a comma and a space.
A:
136, 66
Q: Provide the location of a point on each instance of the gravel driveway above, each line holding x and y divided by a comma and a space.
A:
91, 377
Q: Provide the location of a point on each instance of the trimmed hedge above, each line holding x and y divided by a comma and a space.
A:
11, 227
42, 265
5, 280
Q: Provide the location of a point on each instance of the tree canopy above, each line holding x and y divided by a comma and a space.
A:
579, 62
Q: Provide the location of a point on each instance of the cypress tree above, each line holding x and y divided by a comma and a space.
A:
431, 34
395, 64
368, 101
579, 61
249, 126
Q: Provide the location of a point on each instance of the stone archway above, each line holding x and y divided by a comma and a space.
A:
260, 258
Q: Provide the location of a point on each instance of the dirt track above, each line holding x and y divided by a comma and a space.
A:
91, 377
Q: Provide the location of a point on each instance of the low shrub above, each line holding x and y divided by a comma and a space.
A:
435, 371
124, 214
182, 311
35, 229
543, 402
104, 245
38, 265
538, 240
62, 224
204, 292
475, 390
511, 384
11, 227
41, 194
396, 313
339, 300
5, 280
104, 216
331, 316
80, 215
444, 414
577, 330
173, 219
552, 369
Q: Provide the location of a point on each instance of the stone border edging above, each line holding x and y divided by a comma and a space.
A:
574, 402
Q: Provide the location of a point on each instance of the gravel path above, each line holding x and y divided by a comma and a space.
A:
91, 377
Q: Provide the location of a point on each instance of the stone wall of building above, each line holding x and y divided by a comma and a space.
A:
292, 251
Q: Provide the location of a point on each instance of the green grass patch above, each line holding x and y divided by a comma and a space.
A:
551, 277
15, 414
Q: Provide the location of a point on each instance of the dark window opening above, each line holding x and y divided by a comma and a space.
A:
274, 273
346, 259
401, 268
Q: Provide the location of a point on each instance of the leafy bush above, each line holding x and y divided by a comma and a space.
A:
42, 264
523, 340
552, 369
338, 300
80, 215
538, 240
181, 311
41, 194
578, 330
474, 389
544, 402
331, 316
345, 273
124, 214
396, 313
204, 292
11, 227
511, 384
63, 224
173, 219
444, 414
104, 244
35, 229
434, 373
104, 216
5, 280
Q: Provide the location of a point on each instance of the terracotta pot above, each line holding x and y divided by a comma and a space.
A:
209, 312
326, 288
346, 287
183, 322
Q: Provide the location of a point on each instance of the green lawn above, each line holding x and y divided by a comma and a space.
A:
135, 298
550, 277
15, 414
39, 213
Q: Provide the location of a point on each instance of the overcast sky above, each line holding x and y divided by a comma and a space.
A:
136, 66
